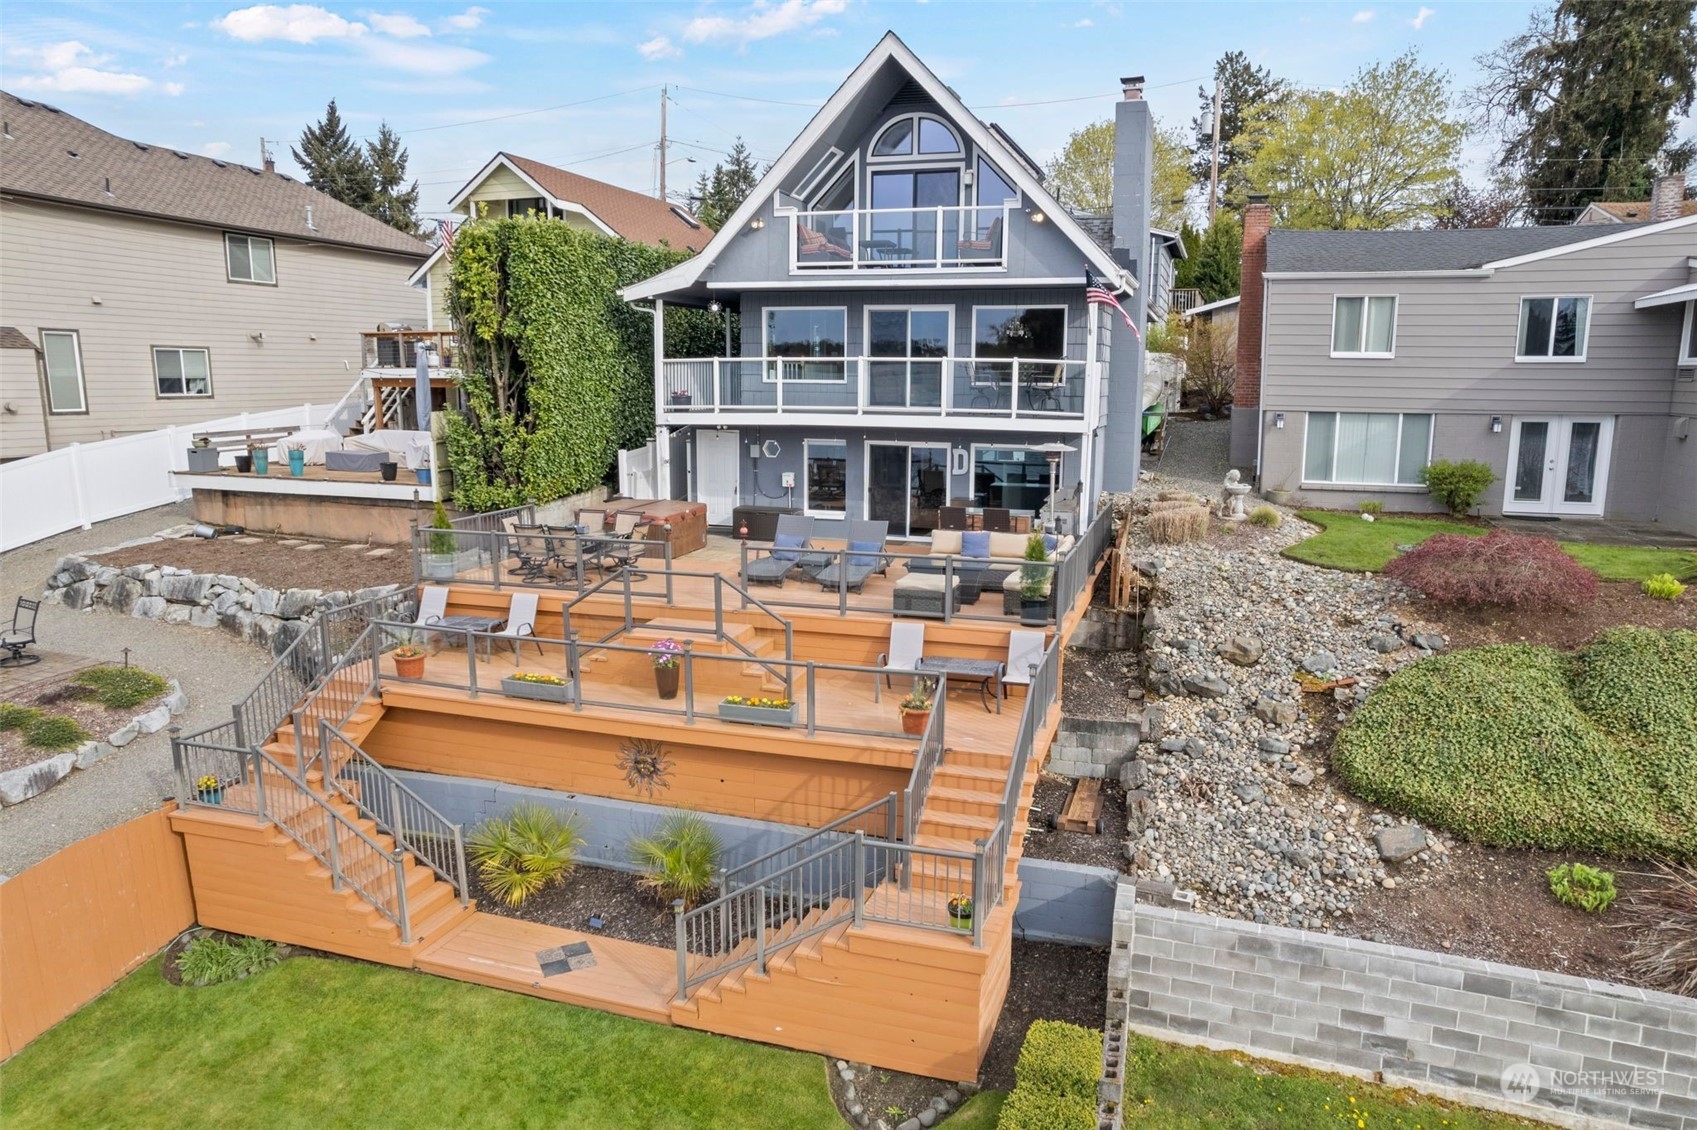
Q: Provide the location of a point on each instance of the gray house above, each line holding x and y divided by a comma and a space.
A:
913, 319
1564, 357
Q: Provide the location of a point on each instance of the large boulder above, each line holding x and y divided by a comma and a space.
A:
298, 602
185, 589
1399, 842
121, 595
1245, 651
1207, 686
19, 785
77, 595
1275, 712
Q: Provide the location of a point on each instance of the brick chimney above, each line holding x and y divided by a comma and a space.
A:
1246, 400
1666, 195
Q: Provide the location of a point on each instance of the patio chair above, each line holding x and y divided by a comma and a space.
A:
624, 551
528, 545
567, 550
1025, 651
863, 557
432, 607
991, 243
592, 521
998, 520
17, 639
907, 646
521, 623
795, 533
625, 523
951, 518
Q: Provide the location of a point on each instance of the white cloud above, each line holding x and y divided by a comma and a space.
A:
1085, 22
400, 25
658, 48
216, 149
71, 68
762, 20
174, 61
1361, 17
467, 20
1420, 18
421, 58
298, 23
173, 88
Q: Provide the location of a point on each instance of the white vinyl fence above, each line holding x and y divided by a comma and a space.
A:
85, 483
639, 472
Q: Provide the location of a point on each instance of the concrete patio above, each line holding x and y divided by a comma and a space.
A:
1599, 531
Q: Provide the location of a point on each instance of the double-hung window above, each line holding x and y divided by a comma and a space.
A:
250, 259
522, 206
62, 353
825, 487
1367, 448
1364, 325
812, 340
182, 372
1553, 328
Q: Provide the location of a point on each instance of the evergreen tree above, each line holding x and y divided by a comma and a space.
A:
1587, 100
1213, 262
721, 192
393, 200
1247, 95
334, 164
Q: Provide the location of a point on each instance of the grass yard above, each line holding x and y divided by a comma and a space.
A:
317, 1042
1349, 543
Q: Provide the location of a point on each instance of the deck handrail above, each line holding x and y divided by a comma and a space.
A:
883, 808
925, 761
337, 697
489, 521
1073, 571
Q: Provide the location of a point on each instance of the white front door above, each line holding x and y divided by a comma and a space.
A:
718, 456
1558, 465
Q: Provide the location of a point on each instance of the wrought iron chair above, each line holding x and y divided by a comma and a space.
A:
17, 639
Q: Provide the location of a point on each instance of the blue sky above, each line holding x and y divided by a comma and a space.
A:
215, 78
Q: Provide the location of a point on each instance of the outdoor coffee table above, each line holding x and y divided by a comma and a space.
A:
464, 623
984, 672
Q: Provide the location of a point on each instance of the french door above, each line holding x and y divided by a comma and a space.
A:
906, 484
1558, 465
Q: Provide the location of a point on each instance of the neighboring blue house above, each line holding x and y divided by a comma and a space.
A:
914, 325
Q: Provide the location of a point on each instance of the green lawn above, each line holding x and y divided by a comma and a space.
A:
1349, 543
316, 1042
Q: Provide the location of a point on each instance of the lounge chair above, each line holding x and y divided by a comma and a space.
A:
998, 519
907, 646
1025, 651
17, 639
794, 534
863, 557
521, 623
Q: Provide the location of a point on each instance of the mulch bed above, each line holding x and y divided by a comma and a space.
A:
1617, 603
70, 701
1097, 684
630, 915
1105, 850
274, 565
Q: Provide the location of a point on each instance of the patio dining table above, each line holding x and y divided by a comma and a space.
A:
984, 672
468, 624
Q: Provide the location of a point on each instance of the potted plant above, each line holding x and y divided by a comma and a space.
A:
916, 707
537, 685
960, 912
261, 459
757, 711
388, 468
409, 661
1279, 496
1034, 582
297, 459
208, 789
203, 457
244, 463
667, 657
439, 561
681, 396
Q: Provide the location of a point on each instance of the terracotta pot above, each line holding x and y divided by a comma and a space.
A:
914, 721
409, 666
666, 681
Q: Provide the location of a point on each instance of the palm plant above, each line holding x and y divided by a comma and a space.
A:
527, 850
679, 860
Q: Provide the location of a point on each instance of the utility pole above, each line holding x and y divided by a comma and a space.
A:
662, 143
1214, 163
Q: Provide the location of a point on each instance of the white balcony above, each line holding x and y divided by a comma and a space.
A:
884, 239
960, 387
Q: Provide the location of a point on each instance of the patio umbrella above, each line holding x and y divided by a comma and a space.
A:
421, 387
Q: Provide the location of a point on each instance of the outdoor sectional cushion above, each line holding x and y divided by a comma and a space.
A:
975, 543
353, 460
784, 542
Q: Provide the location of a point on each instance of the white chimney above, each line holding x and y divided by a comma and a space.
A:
1666, 195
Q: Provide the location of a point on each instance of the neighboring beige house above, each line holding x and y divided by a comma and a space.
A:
516, 186
1667, 202
142, 287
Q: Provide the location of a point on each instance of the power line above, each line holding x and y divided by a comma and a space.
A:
519, 113
565, 162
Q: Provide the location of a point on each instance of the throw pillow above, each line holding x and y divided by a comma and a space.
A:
784, 542
1050, 541
975, 543
864, 553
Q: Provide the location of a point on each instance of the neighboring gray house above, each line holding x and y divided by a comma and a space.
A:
913, 319
1564, 357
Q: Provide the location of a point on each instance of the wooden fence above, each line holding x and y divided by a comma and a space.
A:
75, 923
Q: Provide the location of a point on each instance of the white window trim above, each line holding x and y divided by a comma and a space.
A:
1066, 331
837, 171
1519, 312
943, 361
1327, 484
82, 381
972, 460
1684, 336
915, 155
153, 353
1018, 200
820, 174
806, 490
271, 244
768, 371
1332, 337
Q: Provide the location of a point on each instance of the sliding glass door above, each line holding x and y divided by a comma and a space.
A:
906, 484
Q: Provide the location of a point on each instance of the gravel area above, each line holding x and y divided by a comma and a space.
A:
1196, 458
213, 668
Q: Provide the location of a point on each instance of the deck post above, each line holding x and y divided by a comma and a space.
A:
258, 783
572, 671
334, 854
842, 583
890, 817
630, 623
666, 556
858, 879
812, 700
405, 918
760, 931
471, 662
719, 605
948, 588
980, 904
689, 682
459, 858
683, 950
495, 559
742, 575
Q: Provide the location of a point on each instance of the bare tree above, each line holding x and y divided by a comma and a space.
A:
1210, 364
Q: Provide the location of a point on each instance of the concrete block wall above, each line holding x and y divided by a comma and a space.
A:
1599, 1053
1064, 902
1088, 747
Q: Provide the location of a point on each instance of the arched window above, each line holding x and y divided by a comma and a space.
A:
916, 135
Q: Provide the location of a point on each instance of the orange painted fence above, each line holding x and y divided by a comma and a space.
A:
75, 923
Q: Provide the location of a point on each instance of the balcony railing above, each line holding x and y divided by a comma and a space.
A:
944, 238
929, 386
398, 349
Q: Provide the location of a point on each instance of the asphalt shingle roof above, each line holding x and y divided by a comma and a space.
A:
1395, 251
50, 154
638, 218
1637, 211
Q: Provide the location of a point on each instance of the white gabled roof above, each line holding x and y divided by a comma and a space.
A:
1632, 232
689, 272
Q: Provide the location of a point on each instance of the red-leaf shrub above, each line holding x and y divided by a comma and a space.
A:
1500, 568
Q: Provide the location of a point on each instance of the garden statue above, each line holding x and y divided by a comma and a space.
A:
1231, 497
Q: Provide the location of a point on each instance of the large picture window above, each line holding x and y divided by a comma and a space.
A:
250, 259
1364, 326
1367, 448
182, 372
916, 136
62, 353
1553, 328
815, 337
825, 487
1013, 477
1019, 331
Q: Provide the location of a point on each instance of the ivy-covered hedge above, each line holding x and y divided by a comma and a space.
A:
1055, 1079
559, 370
1518, 745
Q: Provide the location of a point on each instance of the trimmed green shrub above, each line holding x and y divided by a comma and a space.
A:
679, 860
1457, 483
119, 688
1029, 1109
1588, 888
1518, 745
1662, 586
1265, 516
15, 717
214, 961
55, 732
1369, 506
1056, 1075
523, 852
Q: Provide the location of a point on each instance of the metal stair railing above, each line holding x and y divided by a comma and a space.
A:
925, 762
880, 815
347, 685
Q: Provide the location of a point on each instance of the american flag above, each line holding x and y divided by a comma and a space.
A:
445, 228
1096, 293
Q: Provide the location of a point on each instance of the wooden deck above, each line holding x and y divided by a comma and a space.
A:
627, 978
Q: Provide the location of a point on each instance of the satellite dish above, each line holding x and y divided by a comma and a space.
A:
770, 449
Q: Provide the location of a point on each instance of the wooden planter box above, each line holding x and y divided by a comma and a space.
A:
757, 715
541, 692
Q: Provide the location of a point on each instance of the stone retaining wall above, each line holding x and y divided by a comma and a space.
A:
1564, 1049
